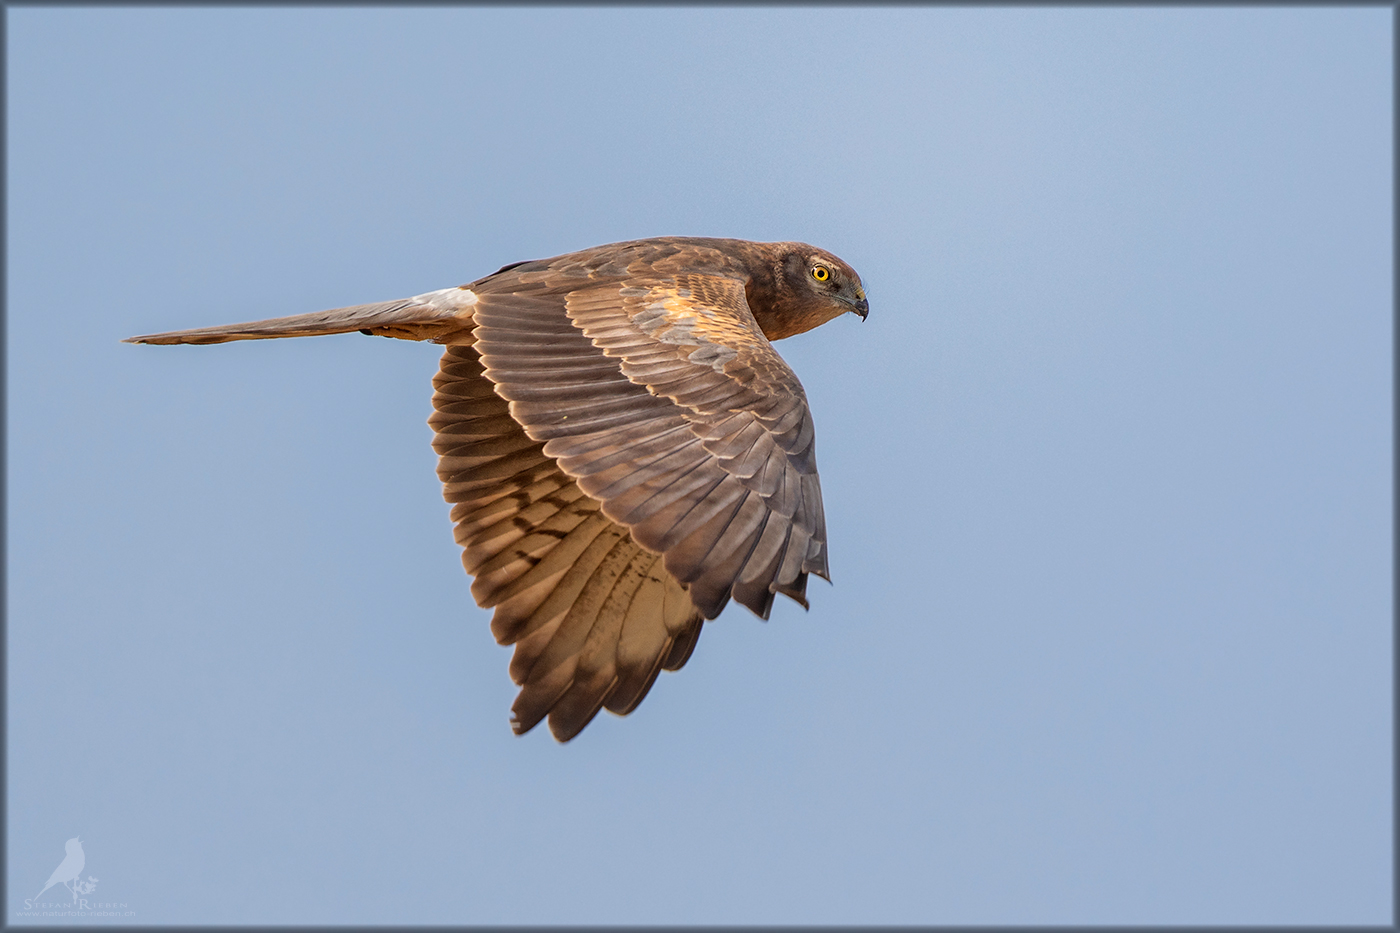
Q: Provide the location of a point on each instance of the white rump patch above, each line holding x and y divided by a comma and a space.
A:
447, 299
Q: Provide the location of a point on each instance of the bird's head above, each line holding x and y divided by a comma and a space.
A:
812, 286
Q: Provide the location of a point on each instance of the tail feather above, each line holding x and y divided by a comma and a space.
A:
430, 316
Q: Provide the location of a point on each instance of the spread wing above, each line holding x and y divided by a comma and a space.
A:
655, 459
668, 405
593, 616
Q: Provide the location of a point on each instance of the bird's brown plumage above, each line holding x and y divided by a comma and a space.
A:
624, 450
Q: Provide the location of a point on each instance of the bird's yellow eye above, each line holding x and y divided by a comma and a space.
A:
821, 273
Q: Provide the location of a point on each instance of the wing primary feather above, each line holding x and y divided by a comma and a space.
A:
597, 674
549, 675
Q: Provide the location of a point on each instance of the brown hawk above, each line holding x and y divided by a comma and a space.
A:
623, 448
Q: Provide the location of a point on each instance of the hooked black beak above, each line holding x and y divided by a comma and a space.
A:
861, 307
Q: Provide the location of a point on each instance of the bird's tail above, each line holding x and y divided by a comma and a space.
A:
423, 317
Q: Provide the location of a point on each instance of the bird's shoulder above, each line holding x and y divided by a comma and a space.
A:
734, 259
689, 294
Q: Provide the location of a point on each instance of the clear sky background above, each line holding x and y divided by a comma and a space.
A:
1107, 471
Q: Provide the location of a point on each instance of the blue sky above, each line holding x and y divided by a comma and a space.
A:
1107, 471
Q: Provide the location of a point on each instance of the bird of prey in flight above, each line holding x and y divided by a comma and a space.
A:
623, 448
